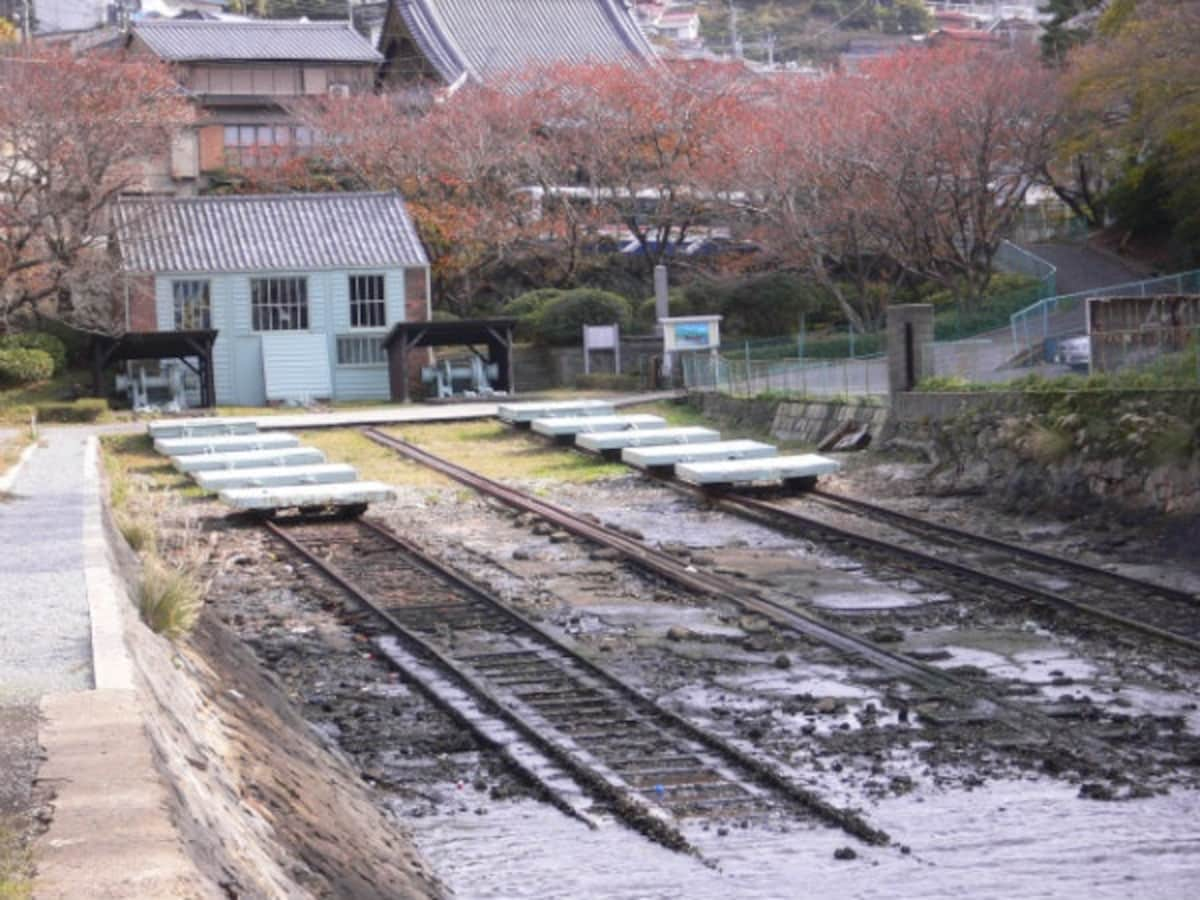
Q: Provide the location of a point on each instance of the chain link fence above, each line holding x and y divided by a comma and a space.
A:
1039, 330
860, 376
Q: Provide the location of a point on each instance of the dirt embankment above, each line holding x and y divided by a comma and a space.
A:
266, 809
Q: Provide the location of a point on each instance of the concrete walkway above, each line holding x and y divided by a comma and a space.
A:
45, 641
62, 646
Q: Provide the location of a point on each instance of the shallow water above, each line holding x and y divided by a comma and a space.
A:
1005, 840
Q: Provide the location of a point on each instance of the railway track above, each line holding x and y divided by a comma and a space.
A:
964, 699
967, 558
652, 768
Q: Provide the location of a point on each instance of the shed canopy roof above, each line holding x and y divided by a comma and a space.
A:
450, 333
192, 40
486, 38
307, 232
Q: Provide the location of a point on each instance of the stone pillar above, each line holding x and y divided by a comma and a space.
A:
910, 345
662, 297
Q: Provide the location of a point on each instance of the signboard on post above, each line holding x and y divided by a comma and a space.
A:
689, 334
601, 337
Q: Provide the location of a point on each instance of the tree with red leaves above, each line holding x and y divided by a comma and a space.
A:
75, 134
964, 131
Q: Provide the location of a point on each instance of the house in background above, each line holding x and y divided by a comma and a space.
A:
300, 288
448, 42
242, 75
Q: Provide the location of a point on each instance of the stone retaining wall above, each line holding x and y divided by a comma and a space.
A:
1137, 450
801, 421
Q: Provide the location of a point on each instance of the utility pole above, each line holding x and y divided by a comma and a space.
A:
26, 31
735, 40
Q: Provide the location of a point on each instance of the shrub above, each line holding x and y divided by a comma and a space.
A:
561, 321
527, 309
531, 302
21, 366
169, 599
88, 409
38, 340
646, 316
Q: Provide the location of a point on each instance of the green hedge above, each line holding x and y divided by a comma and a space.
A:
527, 310
38, 340
89, 409
562, 319
20, 366
607, 381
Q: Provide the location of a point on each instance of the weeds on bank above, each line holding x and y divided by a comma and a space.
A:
169, 598
1048, 445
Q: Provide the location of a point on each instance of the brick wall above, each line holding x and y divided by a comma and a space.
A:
142, 316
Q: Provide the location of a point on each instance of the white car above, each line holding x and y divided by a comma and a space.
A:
1074, 352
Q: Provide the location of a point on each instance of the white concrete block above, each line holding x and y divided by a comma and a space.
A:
186, 446
276, 476
566, 426
751, 471
249, 459
654, 457
644, 437
514, 413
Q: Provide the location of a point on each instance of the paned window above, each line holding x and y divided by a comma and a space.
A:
367, 306
252, 145
360, 350
193, 305
279, 304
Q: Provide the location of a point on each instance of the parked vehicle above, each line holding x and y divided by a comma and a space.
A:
1075, 352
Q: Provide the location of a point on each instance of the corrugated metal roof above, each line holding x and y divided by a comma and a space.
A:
307, 232
190, 40
486, 38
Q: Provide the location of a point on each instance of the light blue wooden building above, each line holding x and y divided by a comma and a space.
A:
301, 288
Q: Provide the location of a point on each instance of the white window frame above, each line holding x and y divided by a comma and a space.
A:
186, 291
360, 357
365, 309
287, 306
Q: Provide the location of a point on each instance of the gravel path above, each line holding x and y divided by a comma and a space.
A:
45, 638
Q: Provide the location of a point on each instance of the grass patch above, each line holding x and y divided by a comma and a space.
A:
498, 451
131, 457
1048, 445
374, 463
16, 865
12, 447
169, 599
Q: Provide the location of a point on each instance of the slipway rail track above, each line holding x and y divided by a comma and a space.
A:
1149, 609
971, 700
651, 767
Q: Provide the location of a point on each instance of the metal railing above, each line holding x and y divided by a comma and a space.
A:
1064, 315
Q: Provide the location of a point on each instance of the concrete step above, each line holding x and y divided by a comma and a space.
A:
568, 426
186, 446
755, 471
352, 493
669, 456
644, 437
177, 428
249, 459
276, 476
523, 413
